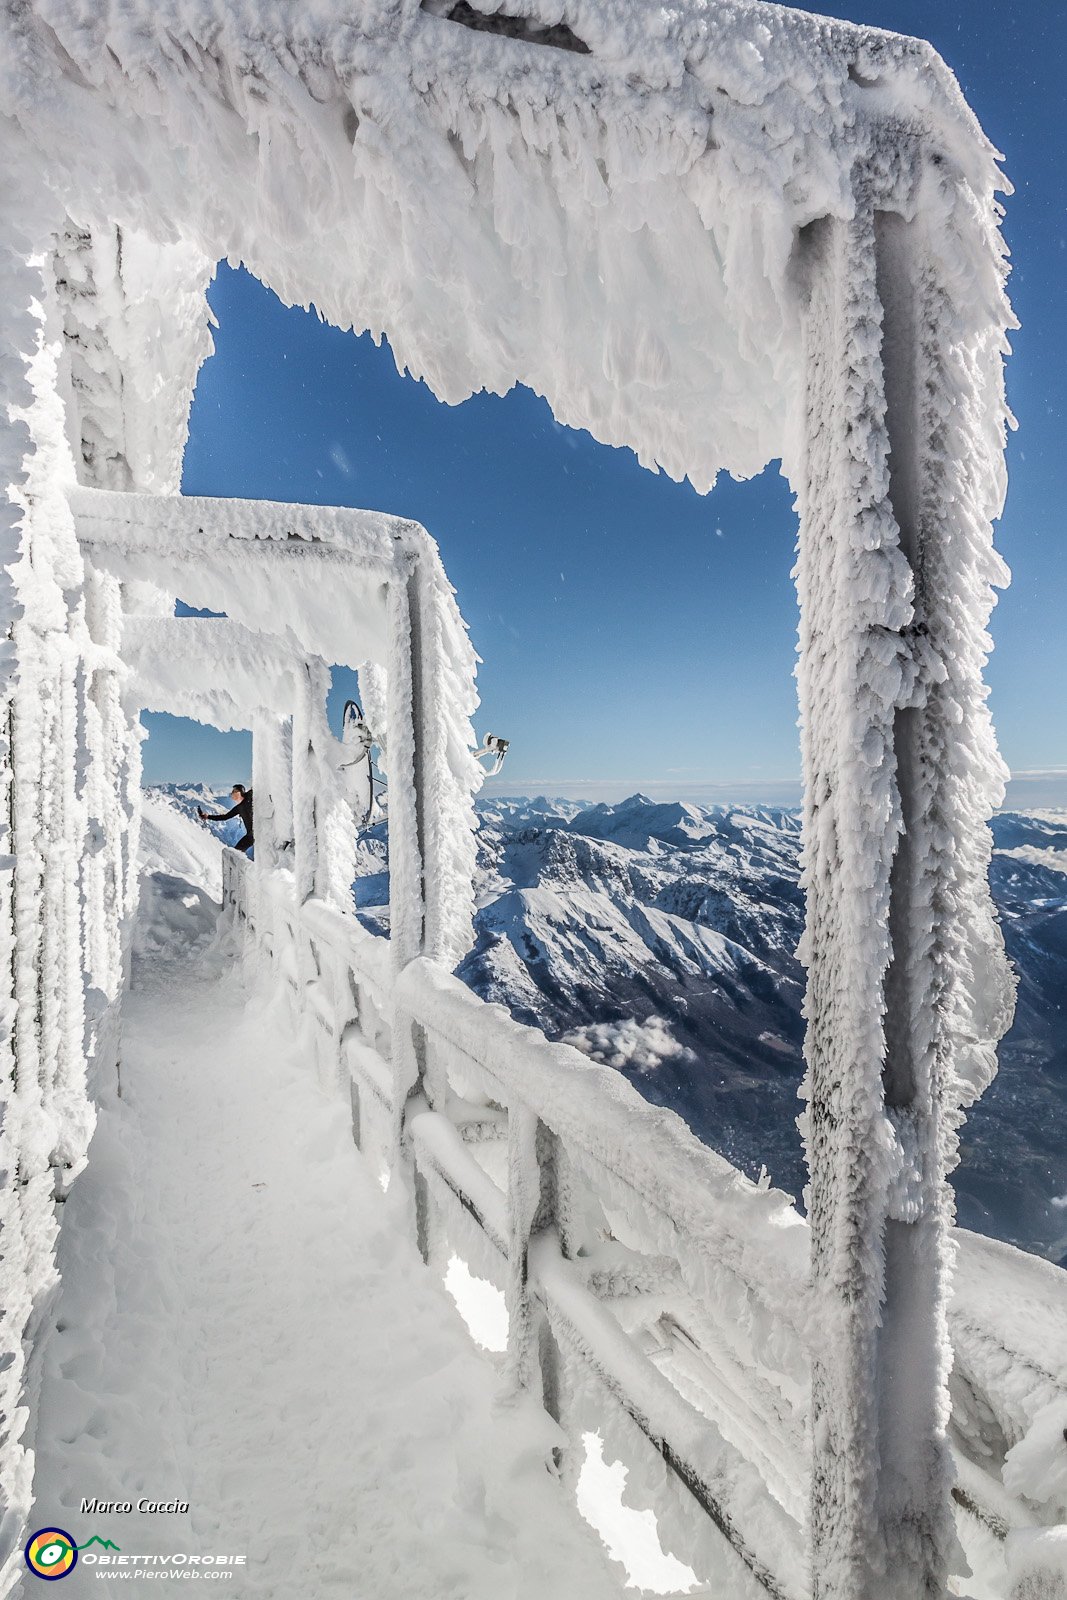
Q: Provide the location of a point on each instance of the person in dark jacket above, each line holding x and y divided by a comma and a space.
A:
242, 807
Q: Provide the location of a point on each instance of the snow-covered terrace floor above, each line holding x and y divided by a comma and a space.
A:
243, 1325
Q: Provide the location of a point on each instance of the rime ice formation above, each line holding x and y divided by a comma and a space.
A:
715, 233
615, 229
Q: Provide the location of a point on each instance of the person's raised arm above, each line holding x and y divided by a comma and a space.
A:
217, 816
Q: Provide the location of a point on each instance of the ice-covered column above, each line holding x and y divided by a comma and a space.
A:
309, 691
47, 1119
109, 777
407, 838
281, 762
323, 822
266, 771
407, 775
900, 774
418, 724
134, 323
432, 774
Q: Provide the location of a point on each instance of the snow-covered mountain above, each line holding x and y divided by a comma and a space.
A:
659, 937
680, 920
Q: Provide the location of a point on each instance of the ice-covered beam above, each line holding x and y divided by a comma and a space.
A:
318, 575
209, 668
611, 227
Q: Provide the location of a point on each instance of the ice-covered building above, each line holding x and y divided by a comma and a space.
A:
718, 232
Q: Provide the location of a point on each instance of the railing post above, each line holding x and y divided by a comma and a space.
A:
534, 1361
884, 611
416, 1062
525, 1210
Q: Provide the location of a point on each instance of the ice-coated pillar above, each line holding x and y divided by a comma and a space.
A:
417, 739
272, 787
407, 771
305, 784
892, 607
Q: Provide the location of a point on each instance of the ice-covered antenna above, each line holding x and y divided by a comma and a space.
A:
496, 748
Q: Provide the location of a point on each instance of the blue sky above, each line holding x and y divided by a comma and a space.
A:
635, 634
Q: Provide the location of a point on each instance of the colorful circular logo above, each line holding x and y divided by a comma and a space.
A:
51, 1553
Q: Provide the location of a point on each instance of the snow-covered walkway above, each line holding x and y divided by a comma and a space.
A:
242, 1326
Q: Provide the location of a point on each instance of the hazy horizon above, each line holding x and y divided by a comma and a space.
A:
1026, 791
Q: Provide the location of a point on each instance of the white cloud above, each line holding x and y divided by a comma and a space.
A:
629, 1043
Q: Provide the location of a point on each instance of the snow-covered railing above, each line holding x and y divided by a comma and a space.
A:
654, 1294
593, 1211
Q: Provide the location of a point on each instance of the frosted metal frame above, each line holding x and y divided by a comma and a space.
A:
111, 525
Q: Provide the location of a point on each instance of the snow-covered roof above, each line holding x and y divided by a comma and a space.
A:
602, 205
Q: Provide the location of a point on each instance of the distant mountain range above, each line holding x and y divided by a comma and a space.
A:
593, 921
659, 937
